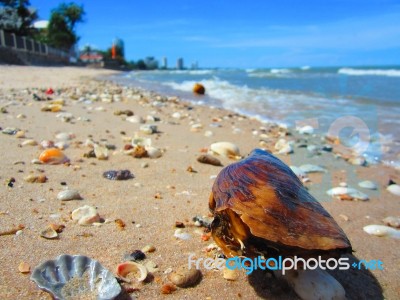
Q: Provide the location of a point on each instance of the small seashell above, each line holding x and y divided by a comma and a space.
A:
199, 89
10, 130
180, 234
68, 195
100, 152
196, 127
20, 134
382, 230
394, 189
315, 284
148, 128
177, 115
149, 249
35, 178
358, 161
129, 267
61, 145
346, 191
52, 107
309, 168
299, 172
226, 149
138, 151
76, 277
135, 119
24, 267
49, 233
118, 175
184, 277
47, 144
286, 149
64, 136
168, 288
208, 133
210, 160
85, 215
53, 156
153, 152
151, 266
392, 221
367, 184
135, 255
230, 274
29, 142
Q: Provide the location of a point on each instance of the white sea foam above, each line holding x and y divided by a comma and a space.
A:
370, 72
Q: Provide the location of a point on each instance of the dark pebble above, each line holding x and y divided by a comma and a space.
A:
118, 175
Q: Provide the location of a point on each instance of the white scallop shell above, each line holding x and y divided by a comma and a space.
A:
55, 277
394, 189
226, 149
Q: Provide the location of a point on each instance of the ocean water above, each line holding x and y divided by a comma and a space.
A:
361, 105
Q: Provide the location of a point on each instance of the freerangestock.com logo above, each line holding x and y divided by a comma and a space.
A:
282, 264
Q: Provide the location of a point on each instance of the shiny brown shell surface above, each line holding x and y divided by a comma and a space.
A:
261, 207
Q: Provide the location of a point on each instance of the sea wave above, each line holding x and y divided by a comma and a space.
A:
370, 72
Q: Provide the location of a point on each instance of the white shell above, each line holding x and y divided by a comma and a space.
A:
148, 128
382, 230
315, 285
54, 277
145, 142
394, 189
226, 149
67, 195
85, 215
135, 119
100, 152
153, 152
353, 193
128, 267
180, 234
308, 168
367, 184
392, 221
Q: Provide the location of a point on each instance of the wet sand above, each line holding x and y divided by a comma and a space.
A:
162, 191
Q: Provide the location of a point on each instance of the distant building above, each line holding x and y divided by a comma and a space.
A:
195, 65
91, 57
164, 64
179, 63
151, 63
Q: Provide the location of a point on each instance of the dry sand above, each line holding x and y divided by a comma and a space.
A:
160, 194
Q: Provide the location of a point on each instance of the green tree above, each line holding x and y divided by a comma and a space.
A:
16, 16
62, 23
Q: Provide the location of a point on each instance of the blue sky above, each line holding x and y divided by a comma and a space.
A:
246, 34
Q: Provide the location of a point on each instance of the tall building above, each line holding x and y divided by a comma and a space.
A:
164, 63
179, 63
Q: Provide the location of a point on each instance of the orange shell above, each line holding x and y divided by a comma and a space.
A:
199, 89
260, 206
53, 156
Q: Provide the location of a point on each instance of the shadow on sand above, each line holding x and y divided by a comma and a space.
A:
358, 284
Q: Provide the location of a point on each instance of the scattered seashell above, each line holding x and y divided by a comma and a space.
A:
208, 133
36, 178
315, 284
68, 195
367, 184
24, 267
52, 107
101, 152
226, 149
65, 136
230, 274
148, 128
344, 217
20, 134
151, 266
149, 249
135, 119
118, 175
184, 277
49, 233
168, 288
29, 142
177, 115
349, 192
298, 172
180, 234
382, 230
76, 277
153, 152
65, 116
12, 230
199, 89
392, 221
286, 149
327, 148
306, 129
85, 215
196, 127
394, 189
47, 144
10, 130
131, 267
53, 156
309, 168
210, 160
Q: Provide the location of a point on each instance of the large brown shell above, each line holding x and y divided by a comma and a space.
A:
261, 207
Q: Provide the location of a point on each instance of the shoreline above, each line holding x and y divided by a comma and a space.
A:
162, 191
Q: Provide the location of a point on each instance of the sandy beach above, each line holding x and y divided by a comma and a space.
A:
174, 187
